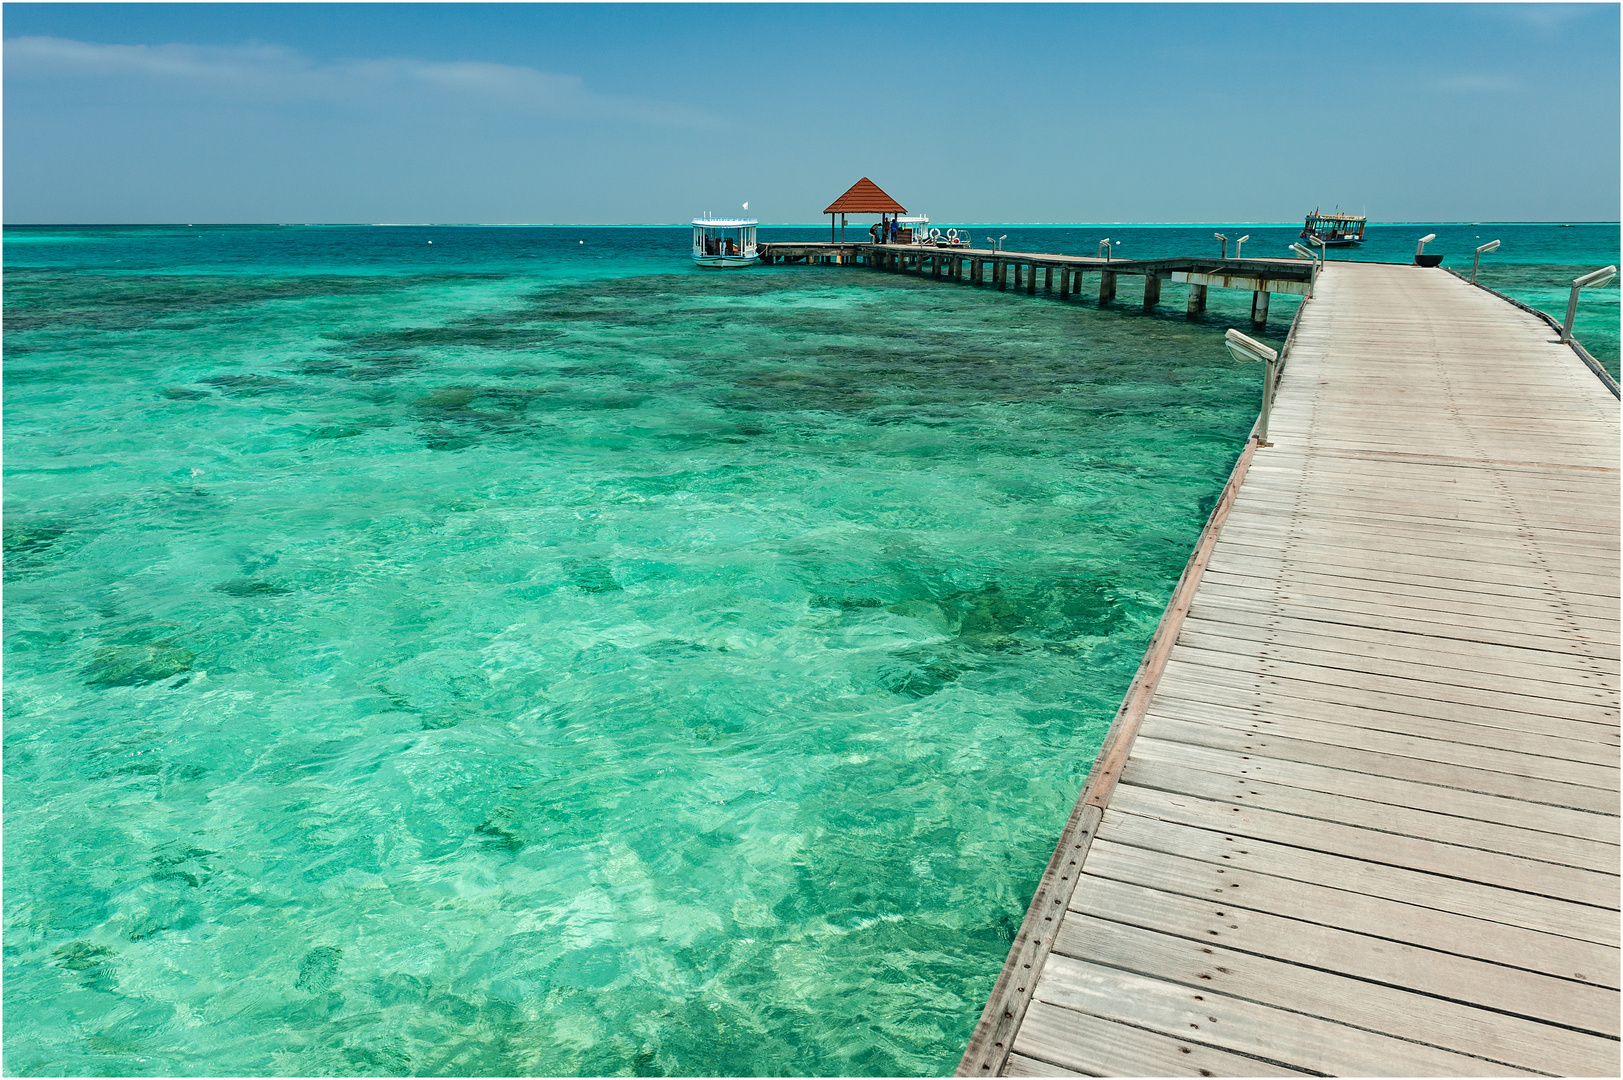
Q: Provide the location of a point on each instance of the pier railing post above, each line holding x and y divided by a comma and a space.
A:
1597, 278
1268, 377
1245, 348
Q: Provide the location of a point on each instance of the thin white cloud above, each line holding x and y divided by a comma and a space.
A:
269, 73
1549, 19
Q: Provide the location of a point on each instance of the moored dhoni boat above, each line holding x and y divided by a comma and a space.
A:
1335, 230
724, 242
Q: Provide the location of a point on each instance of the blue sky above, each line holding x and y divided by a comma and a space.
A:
652, 113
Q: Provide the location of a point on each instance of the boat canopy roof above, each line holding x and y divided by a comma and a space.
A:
1337, 217
725, 223
918, 220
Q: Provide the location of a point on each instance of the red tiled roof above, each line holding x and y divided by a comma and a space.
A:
865, 198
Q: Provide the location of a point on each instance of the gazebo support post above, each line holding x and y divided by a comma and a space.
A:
863, 197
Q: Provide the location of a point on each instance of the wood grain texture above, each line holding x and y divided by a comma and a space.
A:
1268, 1033
1213, 878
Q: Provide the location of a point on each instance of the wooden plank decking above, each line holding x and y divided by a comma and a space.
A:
1365, 818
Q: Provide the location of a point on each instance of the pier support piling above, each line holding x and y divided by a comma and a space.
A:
1259, 309
1048, 279
1197, 300
1152, 291
1107, 286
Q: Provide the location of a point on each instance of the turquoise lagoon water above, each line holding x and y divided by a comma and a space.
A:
520, 655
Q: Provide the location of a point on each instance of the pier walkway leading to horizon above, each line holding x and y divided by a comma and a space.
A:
1063, 273
1359, 811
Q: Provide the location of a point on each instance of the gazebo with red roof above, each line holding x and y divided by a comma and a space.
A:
863, 197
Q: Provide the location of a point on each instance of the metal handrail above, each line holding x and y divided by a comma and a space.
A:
1491, 245
1595, 278
1318, 264
1248, 348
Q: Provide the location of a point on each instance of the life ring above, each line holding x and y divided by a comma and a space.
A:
952, 235
935, 234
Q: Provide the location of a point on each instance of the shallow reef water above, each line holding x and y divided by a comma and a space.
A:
542, 658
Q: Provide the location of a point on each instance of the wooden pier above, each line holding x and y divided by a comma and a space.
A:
1359, 810
1062, 274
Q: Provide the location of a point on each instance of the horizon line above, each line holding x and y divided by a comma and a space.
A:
764, 224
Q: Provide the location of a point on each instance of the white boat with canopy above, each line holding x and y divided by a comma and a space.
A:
724, 242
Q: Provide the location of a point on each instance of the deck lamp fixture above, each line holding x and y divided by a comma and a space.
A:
1303, 252
1491, 245
1250, 349
1220, 236
1594, 280
1238, 242
1316, 242
1424, 240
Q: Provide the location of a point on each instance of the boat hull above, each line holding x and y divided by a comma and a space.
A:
725, 262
